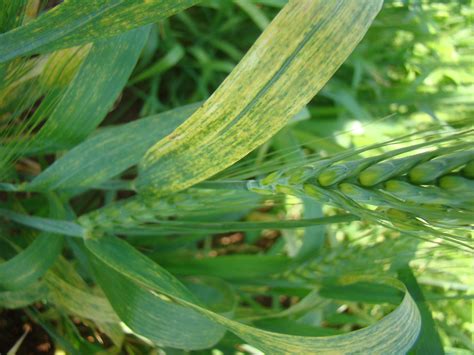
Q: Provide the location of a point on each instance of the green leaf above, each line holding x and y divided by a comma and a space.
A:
30, 264
367, 292
108, 153
135, 286
182, 225
79, 301
77, 22
93, 91
214, 293
429, 341
313, 238
23, 297
288, 326
56, 226
254, 12
295, 56
230, 267
151, 313
10, 14
169, 60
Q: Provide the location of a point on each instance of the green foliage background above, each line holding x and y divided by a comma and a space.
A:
412, 72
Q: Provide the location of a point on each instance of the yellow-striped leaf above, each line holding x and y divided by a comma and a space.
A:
292, 60
77, 22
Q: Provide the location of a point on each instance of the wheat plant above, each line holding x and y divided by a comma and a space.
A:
140, 213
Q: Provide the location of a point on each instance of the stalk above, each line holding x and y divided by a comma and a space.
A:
379, 189
428, 191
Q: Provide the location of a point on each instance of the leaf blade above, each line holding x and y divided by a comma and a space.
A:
108, 153
91, 20
93, 91
296, 55
393, 334
429, 341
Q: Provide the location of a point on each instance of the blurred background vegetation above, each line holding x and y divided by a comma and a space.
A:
413, 70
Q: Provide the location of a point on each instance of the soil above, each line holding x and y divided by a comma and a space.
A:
13, 324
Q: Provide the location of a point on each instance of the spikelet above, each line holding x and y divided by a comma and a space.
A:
431, 170
422, 191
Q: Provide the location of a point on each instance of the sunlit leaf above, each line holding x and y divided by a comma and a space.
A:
295, 56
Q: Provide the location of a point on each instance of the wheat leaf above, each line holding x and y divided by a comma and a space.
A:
31, 263
220, 227
151, 314
429, 341
93, 91
24, 296
80, 302
108, 153
55, 226
128, 276
78, 22
295, 56
9, 16
229, 267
